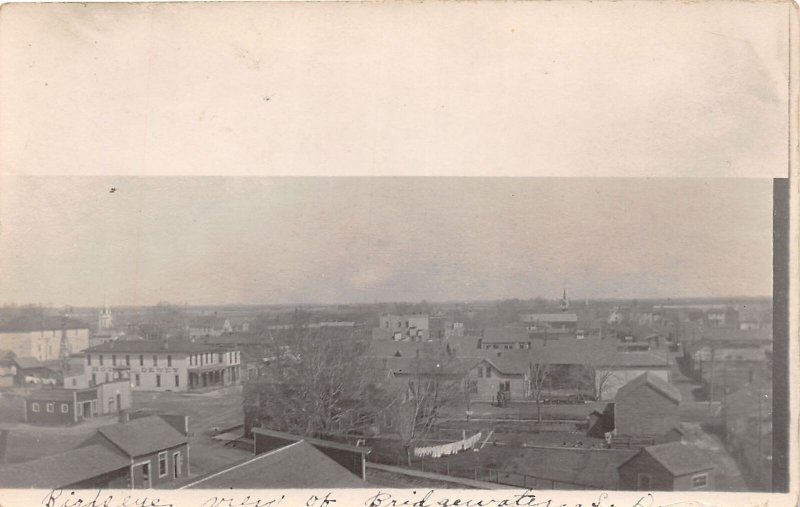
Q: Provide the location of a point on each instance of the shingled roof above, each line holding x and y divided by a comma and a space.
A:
279, 469
678, 458
64, 469
652, 381
143, 436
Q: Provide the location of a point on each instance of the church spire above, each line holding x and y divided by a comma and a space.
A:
564, 300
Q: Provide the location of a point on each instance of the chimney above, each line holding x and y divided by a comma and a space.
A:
124, 416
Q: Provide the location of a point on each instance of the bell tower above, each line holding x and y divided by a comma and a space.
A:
564, 300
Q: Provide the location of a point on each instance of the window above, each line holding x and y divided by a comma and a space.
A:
191, 360
138, 380
162, 464
488, 372
177, 465
51, 407
155, 360
177, 381
480, 371
64, 408
643, 482
101, 359
106, 377
94, 379
473, 387
141, 360
74, 382
169, 360
113, 359
35, 407
158, 380
89, 359
127, 360
699, 481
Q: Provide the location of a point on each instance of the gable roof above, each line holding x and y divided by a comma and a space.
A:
678, 458
143, 436
279, 469
64, 469
656, 383
28, 362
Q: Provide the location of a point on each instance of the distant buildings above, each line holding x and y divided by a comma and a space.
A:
39, 337
405, 327
672, 466
165, 365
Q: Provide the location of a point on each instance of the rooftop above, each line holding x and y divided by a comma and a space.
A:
679, 458
145, 346
143, 436
652, 381
63, 469
549, 317
297, 465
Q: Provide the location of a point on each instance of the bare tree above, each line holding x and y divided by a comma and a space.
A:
538, 374
318, 386
419, 397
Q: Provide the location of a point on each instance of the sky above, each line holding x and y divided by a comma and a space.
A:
569, 88
214, 240
688, 100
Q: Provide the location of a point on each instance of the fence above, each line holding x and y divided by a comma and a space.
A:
444, 466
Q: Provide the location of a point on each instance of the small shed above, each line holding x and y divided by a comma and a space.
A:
673, 466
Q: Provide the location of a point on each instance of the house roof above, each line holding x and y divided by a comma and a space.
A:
652, 381
28, 323
28, 362
508, 334
313, 441
507, 362
49, 394
63, 469
678, 458
150, 346
391, 348
143, 436
279, 469
237, 339
549, 317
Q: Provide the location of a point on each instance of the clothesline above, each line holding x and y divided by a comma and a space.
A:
437, 451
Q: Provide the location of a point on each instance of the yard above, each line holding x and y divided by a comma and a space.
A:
215, 409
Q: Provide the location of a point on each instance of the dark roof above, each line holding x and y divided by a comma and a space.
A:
63, 469
143, 436
237, 339
505, 334
28, 362
27, 323
678, 458
297, 465
150, 346
652, 381
392, 348
45, 394
313, 441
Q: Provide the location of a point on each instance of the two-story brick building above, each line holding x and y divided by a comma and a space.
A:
166, 365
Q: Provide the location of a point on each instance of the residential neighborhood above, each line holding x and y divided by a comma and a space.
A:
646, 396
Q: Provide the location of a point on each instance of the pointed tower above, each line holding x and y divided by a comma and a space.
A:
105, 321
564, 301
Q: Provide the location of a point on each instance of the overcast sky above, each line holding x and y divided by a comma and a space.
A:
647, 89
293, 240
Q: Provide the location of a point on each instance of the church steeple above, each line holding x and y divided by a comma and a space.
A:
564, 300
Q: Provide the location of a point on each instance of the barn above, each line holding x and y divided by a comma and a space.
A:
673, 466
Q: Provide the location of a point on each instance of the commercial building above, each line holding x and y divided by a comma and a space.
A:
166, 365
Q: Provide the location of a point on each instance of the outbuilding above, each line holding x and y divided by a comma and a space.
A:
673, 466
